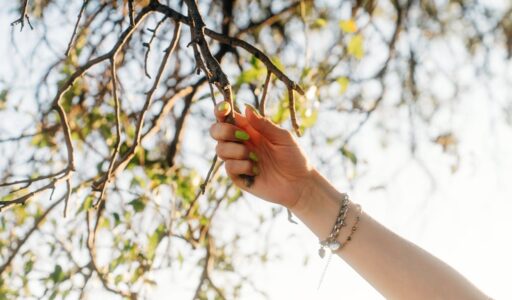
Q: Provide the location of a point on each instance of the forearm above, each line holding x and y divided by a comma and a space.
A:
397, 268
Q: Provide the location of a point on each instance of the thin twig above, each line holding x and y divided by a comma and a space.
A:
207, 179
131, 12
195, 21
23, 199
56, 105
21, 242
73, 35
94, 264
264, 94
117, 145
271, 19
121, 164
148, 45
66, 197
293, 117
29, 181
23, 16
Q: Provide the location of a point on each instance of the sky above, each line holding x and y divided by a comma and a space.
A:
463, 218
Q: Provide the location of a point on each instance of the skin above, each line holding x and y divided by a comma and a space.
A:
394, 266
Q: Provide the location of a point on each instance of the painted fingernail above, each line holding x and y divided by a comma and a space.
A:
253, 109
255, 170
253, 156
223, 106
242, 135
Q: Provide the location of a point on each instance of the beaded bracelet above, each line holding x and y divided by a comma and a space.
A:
335, 245
331, 242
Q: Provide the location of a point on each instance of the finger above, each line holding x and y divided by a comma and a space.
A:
267, 128
230, 150
237, 167
222, 110
228, 132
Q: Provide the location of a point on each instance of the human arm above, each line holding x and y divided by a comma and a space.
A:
394, 266
397, 268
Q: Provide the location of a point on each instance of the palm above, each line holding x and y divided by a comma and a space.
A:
283, 168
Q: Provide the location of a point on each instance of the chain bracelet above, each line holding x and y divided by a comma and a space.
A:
339, 246
331, 242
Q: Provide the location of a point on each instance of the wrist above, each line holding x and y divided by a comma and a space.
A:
316, 188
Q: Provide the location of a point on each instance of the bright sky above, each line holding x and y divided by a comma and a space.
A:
464, 219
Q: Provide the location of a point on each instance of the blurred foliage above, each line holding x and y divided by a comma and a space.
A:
155, 218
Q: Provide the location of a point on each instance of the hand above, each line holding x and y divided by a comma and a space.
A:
256, 146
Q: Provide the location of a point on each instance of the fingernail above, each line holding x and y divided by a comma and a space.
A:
253, 156
253, 109
242, 135
223, 106
255, 170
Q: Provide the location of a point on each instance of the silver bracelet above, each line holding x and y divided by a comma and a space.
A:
331, 242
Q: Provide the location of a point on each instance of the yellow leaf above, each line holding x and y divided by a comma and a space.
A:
319, 23
348, 26
355, 46
343, 82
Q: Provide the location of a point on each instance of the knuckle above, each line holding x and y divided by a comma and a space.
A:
218, 149
212, 130
244, 152
247, 167
229, 166
287, 134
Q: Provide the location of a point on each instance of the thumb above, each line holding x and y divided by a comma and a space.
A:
266, 127
222, 110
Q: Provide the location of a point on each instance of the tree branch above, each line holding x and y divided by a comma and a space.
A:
73, 35
23, 16
21, 242
121, 164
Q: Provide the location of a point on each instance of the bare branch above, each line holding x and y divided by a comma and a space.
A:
272, 18
73, 35
207, 179
29, 181
131, 12
25, 198
22, 241
293, 117
66, 197
117, 145
94, 264
23, 16
197, 21
121, 164
264, 94
148, 45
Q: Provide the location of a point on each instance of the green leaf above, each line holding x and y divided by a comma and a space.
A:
277, 61
154, 240
355, 46
86, 205
57, 275
117, 219
250, 75
118, 278
3, 99
180, 259
137, 204
28, 266
348, 154
235, 197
